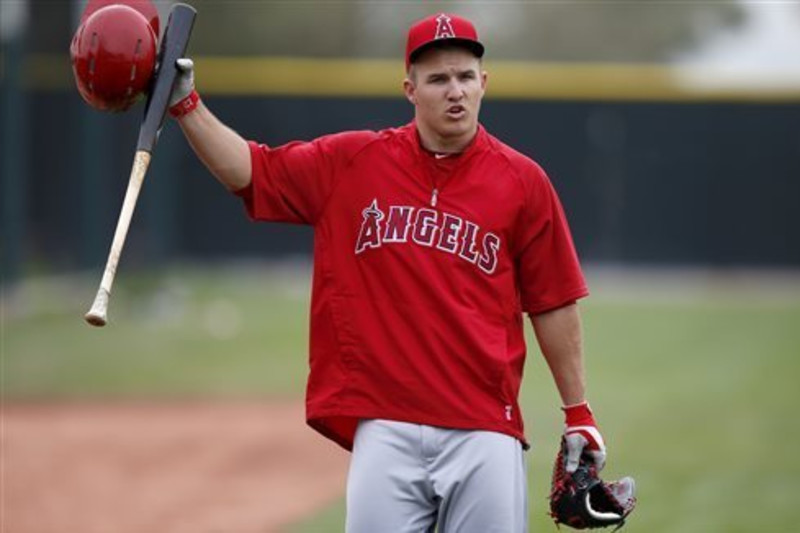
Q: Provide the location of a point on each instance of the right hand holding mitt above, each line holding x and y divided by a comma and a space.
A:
578, 497
582, 437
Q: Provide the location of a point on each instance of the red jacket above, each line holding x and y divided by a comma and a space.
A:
422, 269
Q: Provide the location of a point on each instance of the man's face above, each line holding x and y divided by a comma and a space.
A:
446, 87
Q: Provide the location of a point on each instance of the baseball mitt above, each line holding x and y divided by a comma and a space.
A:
584, 501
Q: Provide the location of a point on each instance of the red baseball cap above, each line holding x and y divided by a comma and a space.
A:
439, 28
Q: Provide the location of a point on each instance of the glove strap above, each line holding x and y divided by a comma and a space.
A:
579, 415
185, 106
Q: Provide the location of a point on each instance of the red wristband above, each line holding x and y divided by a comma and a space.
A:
579, 415
185, 106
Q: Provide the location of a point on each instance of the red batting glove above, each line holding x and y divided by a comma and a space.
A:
583, 437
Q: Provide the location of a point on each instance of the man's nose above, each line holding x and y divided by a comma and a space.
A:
455, 91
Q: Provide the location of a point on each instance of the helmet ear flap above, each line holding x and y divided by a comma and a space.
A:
113, 57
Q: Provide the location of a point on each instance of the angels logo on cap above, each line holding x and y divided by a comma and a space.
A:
438, 28
443, 29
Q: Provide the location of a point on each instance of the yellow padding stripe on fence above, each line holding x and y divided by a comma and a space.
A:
343, 78
298, 76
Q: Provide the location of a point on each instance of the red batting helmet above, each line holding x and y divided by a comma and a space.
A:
113, 56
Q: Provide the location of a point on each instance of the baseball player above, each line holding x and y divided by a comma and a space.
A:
430, 242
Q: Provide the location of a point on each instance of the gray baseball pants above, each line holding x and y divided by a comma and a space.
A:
411, 478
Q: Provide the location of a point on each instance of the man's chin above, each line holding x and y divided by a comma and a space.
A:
457, 129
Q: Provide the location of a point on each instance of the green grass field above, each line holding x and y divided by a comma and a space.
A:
695, 386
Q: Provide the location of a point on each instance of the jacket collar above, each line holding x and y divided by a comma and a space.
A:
479, 142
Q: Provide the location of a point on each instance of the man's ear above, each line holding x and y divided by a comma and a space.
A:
410, 91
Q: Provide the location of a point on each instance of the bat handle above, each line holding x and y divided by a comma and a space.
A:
98, 314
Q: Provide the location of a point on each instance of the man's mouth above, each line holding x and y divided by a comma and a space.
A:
456, 111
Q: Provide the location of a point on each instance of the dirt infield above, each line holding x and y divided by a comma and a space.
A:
233, 468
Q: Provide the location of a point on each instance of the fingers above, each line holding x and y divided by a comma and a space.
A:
598, 457
575, 445
184, 84
184, 64
578, 445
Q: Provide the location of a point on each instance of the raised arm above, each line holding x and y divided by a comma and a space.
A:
223, 151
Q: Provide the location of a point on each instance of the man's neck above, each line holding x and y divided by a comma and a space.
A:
444, 145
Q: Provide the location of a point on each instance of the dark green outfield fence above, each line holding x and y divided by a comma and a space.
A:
650, 170
669, 183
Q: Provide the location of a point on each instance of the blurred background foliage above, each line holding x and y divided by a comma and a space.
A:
647, 30
590, 30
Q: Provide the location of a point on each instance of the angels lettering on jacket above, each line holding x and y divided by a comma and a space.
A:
410, 226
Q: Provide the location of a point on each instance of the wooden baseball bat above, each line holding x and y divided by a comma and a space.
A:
173, 47
97, 314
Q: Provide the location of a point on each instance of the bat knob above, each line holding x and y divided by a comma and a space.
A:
97, 315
